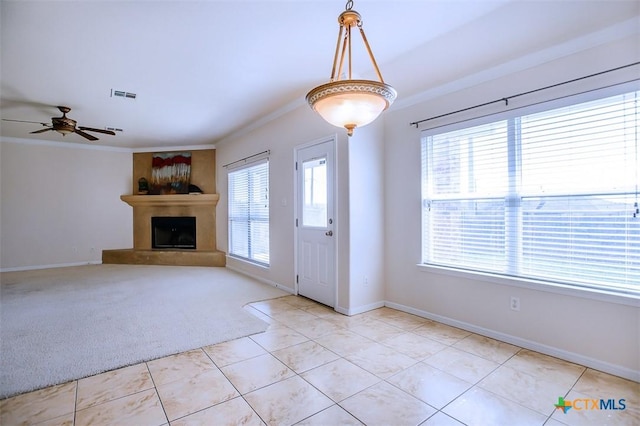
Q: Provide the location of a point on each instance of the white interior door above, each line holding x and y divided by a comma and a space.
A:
316, 227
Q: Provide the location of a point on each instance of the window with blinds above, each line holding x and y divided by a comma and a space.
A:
249, 212
551, 196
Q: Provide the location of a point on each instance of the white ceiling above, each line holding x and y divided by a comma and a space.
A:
203, 70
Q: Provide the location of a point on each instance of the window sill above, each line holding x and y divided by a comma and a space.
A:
531, 284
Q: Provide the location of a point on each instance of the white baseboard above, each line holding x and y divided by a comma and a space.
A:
616, 370
341, 310
57, 265
262, 280
360, 309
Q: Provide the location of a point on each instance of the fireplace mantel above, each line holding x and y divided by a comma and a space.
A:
171, 200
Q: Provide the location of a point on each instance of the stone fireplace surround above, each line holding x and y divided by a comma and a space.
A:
201, 206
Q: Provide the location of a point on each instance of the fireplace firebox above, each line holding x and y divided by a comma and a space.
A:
173, 232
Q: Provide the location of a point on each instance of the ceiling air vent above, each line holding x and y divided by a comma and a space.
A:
122, 94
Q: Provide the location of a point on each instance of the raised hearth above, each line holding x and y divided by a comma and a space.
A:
164, 257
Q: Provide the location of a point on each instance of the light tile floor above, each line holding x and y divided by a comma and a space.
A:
316, 367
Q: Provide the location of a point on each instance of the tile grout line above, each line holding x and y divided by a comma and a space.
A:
381, 379
155, 388
241, 395
75, 403
336, 403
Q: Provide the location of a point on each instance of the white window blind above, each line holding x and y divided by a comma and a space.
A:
249, 212
551, 196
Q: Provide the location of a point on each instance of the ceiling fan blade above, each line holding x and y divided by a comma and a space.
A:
42, 130
91, 129
85, 135
24, 121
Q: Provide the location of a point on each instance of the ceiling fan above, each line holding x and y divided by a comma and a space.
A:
65, 125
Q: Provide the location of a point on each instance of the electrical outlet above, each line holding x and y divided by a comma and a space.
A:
365, 281
515, 303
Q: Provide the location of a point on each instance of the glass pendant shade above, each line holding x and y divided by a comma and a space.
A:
351, 103
347, 102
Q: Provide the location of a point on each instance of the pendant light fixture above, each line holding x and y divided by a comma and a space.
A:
347, 102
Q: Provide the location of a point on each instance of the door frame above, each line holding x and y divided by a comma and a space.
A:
333, 139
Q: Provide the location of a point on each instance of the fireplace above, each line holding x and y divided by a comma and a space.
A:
202, 207
173, 232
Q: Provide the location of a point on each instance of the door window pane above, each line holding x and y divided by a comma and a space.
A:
314, 208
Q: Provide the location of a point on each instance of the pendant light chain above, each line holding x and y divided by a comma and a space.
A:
344, 101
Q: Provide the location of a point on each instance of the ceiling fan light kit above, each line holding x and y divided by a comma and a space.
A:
64, 124
347, 102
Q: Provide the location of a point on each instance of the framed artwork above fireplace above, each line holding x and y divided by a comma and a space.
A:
170, 173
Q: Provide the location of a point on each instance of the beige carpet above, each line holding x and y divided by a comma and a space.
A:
62, 324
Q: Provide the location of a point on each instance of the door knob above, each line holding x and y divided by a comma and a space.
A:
328, 233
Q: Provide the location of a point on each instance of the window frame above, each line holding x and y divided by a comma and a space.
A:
247, 166
631, 297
